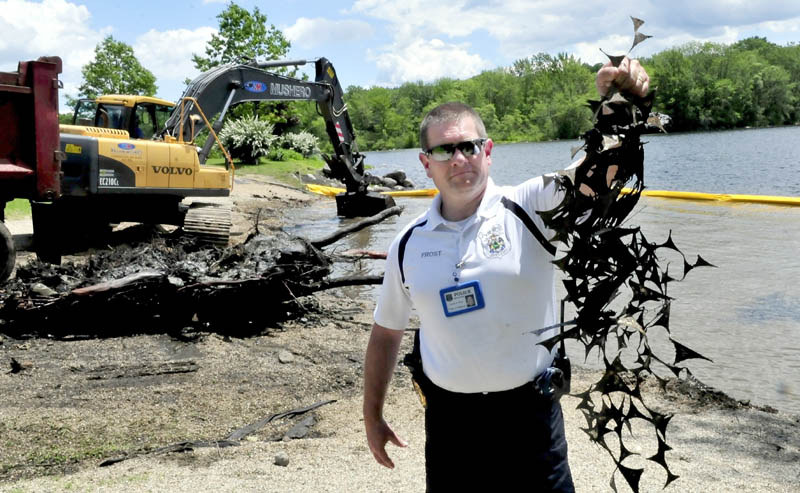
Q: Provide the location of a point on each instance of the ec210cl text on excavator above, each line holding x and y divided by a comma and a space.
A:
133, 158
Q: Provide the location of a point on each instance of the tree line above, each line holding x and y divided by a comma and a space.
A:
542, 97
700, 86
714, 86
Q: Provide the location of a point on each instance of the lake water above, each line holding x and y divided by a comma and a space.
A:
745, 314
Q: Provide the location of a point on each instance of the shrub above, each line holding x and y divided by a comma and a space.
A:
248, 138
303, 142
279, 154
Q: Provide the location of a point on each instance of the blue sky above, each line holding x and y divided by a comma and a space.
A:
382, 42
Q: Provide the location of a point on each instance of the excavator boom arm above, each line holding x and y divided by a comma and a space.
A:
223, 87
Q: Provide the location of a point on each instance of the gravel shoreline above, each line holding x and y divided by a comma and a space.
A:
57, 425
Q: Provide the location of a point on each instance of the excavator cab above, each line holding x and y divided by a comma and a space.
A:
141, 116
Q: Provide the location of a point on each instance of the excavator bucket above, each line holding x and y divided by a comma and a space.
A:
362, 204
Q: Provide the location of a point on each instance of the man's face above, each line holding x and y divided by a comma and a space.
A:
462, 177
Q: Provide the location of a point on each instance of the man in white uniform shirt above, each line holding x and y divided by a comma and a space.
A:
482, 282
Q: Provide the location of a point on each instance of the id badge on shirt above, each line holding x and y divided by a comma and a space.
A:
462, 298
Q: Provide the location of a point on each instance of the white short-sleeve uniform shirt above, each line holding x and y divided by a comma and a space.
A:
493, 348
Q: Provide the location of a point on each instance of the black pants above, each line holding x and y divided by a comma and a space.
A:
496, 442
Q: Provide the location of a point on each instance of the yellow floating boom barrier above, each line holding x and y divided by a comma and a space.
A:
334, 191
665, 194
721, 197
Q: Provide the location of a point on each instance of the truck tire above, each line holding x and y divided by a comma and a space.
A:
47, 229
8, 254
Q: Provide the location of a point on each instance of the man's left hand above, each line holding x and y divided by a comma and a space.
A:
628, 77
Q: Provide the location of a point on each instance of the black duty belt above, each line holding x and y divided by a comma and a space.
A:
550, 385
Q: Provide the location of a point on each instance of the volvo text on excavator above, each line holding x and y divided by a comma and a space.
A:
133, 158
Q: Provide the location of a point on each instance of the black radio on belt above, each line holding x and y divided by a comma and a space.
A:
554, 381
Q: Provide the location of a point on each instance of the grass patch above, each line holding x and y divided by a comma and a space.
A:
282, 171
54, 445
61, 453
18, 208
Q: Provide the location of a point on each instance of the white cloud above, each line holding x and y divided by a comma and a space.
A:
426, 61
514, 28
692, 15
412, 17
503, 19
589, 52
311, 33
519, 28
51, 27
418, 50
784, 26
613, 45
168, 54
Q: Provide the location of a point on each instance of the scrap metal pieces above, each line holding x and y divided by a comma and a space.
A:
171, 284
163, 286
615, 280
637, 38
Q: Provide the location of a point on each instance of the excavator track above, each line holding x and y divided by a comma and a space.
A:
209, 223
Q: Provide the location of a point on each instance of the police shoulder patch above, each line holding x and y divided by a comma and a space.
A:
494, 241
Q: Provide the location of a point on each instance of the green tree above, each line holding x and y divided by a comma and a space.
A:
772, 93
553, 94
115, 70
672, 74
243, 36
709, 85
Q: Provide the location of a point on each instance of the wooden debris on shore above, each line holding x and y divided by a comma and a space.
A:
165, 286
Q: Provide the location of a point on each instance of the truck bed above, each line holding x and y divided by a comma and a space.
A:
29, 134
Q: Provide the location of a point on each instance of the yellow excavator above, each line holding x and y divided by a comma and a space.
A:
116, 168
134, 158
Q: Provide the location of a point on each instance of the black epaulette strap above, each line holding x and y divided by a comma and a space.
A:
528, 222
508, 204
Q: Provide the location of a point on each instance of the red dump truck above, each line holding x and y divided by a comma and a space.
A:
30, 153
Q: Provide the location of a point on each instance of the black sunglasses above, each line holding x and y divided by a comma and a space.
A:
445, 152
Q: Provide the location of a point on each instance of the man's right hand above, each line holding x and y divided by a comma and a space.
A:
379, 364
378, 434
